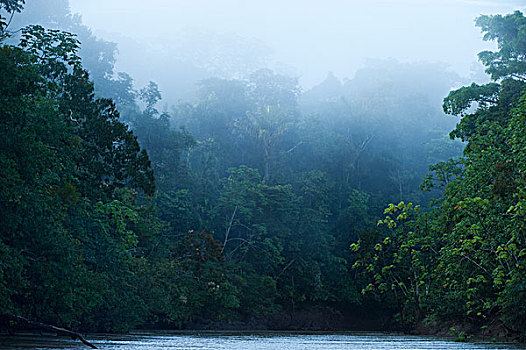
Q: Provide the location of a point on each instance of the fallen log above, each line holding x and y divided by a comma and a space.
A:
48, 327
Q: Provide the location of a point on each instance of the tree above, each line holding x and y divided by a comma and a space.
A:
468, 253
273, 114
481, 244
510, 33
507, 68
10, 6
400, 266
72, 174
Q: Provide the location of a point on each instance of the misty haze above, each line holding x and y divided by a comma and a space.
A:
275, 174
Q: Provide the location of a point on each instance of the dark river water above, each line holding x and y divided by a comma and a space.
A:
279, 341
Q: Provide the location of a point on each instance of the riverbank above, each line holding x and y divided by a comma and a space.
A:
327, 319
465, 331
314, 318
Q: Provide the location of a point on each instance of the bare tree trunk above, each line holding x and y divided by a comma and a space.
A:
228, 229
266, 160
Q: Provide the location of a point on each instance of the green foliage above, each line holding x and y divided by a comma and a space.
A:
12, 5
460, 336
482, 238
97, 234
507, 65
400, 266
510, 33
72, 171
468, 254
442, 174
462, 99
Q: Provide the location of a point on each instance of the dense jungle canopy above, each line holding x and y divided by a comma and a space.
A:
258, 199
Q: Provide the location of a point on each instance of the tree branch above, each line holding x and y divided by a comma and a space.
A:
48, 327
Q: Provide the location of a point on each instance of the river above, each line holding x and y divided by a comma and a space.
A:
248, 341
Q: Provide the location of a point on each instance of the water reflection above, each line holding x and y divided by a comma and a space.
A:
244, 341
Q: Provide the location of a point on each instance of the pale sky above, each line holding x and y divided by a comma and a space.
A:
307, 37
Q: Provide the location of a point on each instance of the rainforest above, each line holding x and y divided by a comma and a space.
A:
394, 200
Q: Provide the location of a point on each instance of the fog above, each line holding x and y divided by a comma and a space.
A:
263, 165
304, 38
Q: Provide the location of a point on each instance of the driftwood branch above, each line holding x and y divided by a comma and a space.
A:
48, 327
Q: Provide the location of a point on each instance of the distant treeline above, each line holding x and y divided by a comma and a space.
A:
257, 198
